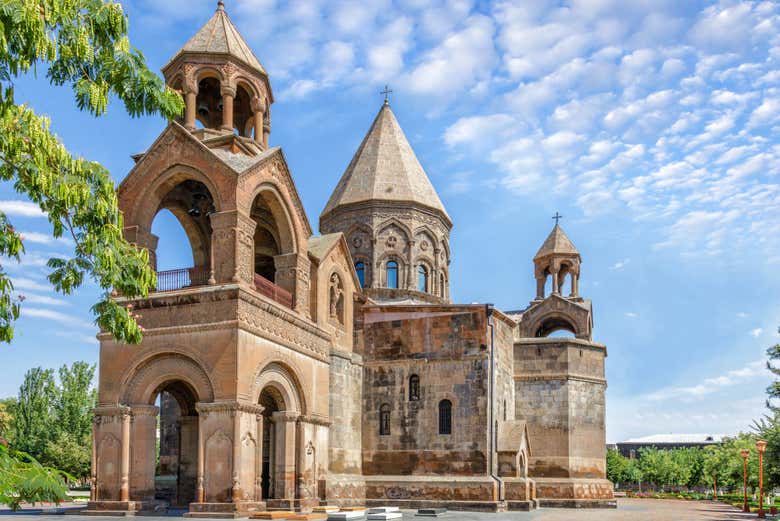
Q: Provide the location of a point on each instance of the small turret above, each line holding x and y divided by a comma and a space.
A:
557, 258
225, 87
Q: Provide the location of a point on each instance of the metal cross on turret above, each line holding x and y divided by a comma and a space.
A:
387, 91
557, 217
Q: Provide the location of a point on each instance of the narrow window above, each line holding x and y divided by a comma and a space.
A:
392, 275
414, 388
445, 417
360, 268
422, 278
441, 284
384, 420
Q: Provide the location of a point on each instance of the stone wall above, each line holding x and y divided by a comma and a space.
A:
344, 481
447, 348
560, 386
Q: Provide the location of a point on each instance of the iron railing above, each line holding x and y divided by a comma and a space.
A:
272, 291
172, 280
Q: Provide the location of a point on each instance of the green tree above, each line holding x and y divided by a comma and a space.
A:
33, 414
82, 44
622, 470
75, 400
6, 419
69, 448
773, 391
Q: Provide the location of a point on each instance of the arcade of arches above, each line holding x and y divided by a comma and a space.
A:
283, 369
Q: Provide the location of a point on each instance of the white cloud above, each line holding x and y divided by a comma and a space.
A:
474, 130
22, 283
755, 333
56, 316
709, 385
32, 298
21, 209
459, 62
631, 314
619, 265
44, 238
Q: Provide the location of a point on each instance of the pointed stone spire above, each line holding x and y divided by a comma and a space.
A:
385, 168
220, 36
557, 243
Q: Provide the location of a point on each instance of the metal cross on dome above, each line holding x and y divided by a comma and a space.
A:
557, 218
387, 91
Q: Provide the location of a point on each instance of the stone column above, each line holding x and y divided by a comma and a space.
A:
258, 110
236, 489
259, 457
292, 274
199, 490
228, 93
540, 287
143, 239
233, 246
142, 461
555, 286
93, 468
190, 87
575, 284
188, 463
285, 454
124, 483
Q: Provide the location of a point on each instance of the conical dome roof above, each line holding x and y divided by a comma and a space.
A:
556, 243
220, 36
385, 168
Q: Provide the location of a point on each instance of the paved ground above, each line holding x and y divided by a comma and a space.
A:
628, 510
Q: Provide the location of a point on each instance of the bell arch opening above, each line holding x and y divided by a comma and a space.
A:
273, 233
208, 103
556, 327
176, 447
190, 205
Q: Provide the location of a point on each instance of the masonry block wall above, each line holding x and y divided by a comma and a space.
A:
560, 388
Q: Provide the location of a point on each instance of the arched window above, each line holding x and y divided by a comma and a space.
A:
445, 417
360, 268
392, 275
414, 388
422, 278
384, 420
441, 285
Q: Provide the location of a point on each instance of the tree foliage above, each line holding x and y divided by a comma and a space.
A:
24, 480
53, 423
82, 44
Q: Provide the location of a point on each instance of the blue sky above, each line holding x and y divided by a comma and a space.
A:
650, 125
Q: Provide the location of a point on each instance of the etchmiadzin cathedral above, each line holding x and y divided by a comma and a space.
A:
288, 369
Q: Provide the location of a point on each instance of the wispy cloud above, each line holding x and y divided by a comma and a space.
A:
32, 298
56, 316
44, 238
21, 209
710, 385
755, 333
631, 314
86, 339
619, 265
23, 283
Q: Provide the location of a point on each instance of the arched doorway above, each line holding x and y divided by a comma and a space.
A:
176, 447
271, 401
278, 393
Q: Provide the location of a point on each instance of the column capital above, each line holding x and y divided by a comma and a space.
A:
285, 416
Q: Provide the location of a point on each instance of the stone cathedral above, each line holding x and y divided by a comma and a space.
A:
286, 369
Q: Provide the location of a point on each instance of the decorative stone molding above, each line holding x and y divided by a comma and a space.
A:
227, 407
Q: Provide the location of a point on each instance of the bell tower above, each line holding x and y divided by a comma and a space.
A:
560, 383
225, 87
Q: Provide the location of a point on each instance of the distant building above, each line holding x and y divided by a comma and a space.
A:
630, 448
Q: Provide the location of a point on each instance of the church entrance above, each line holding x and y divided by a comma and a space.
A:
176, 447
272, 402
